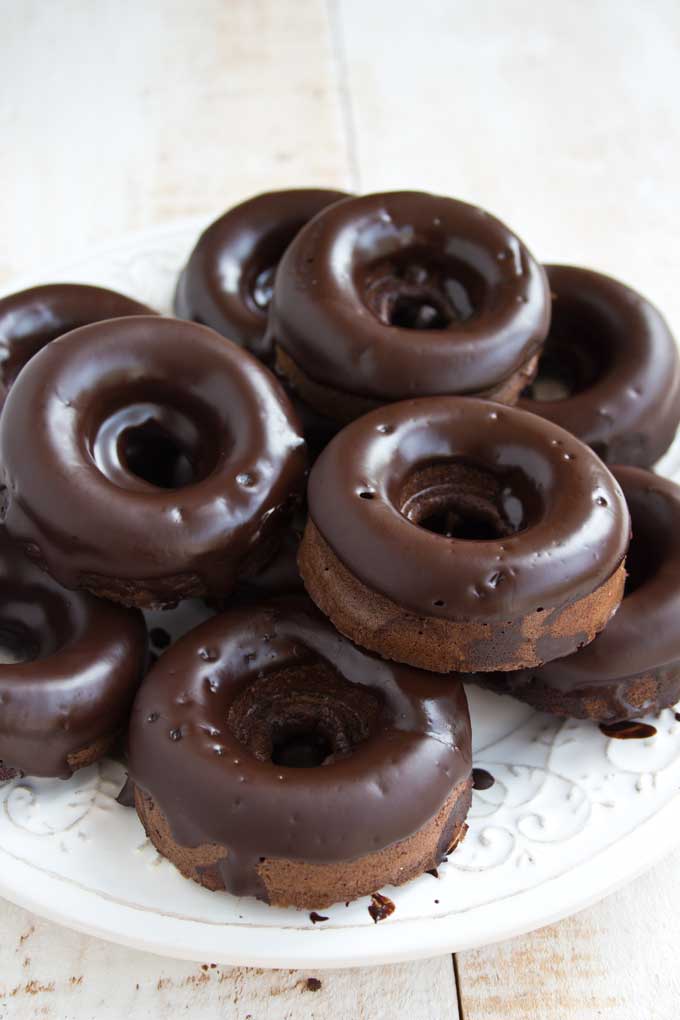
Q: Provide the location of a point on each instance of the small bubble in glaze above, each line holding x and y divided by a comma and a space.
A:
176, 734
245, 479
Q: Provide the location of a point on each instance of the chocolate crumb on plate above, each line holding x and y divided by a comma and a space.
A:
482, 780
380, 907
628, 730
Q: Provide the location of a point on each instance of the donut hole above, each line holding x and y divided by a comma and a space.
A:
418, 311
575, 355
303, 749
35, 620
303, 716
153, 455
259, 272
263, 288
156, 442
17, 643
462, 500
422, 289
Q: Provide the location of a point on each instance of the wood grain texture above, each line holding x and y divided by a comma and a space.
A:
615, 961
51, 973
116, 115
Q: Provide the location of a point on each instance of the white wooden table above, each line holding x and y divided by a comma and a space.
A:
561, 118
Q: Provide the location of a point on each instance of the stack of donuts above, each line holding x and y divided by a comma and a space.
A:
387, 453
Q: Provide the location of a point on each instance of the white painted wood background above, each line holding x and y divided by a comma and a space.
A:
560, 117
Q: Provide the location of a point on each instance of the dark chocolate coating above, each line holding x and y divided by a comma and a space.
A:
614, 350
87, 658
67, 440
643, 637
475, 300
213, 790
567, 523
30, 319
227, 281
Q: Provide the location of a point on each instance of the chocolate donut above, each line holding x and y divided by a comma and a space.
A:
272, 758
30, 319
71, 665
148, 460
633, 666
457, 534
406, 294
610, 370
228, 280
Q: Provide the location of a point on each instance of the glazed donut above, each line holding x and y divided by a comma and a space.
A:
456, 534
70, 667
406, 294
272, 758
610, 370
633, 666
147, 460
30, 319
228, 280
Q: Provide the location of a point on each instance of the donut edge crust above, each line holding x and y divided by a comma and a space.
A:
375, 622
308, 885
343, 407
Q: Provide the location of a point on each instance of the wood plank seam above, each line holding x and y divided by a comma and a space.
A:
456, 979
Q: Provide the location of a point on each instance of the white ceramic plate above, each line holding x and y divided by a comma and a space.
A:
572, 815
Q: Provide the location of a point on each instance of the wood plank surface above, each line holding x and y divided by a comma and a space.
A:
116, 115
615, 961
54, 974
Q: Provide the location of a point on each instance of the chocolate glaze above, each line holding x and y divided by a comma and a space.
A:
204, 420
213, 789
482, 780
628, 730
560, 516
643, 637
126, 796
32, 318
82, 662
228, 280
614, 355
406, 294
